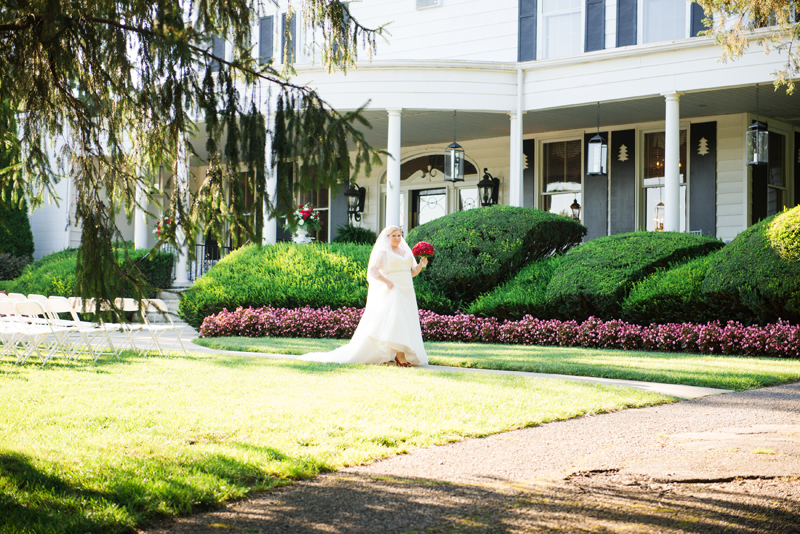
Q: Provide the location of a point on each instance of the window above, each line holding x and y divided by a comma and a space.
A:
468, 198
654, 181
218, 50
663, 20
561, 176
776, 182
427, 205
265, 39
562, 28
319, 199
289, 47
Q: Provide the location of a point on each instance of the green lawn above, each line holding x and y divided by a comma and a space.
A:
725, 372
107, 447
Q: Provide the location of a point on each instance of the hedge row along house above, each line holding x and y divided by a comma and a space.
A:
523, 86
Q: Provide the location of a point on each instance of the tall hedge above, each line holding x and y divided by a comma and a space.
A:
525, 294
54, 274
595, 277
478, 249
16, 237
757, 275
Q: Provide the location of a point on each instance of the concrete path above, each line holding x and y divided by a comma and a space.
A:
674, 390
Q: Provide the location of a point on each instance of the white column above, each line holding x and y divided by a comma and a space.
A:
269, 232
140, 226
181, 185
393, 168
515, 161
672, 145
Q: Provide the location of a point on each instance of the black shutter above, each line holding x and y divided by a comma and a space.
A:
528, 185
337, 214
595, 25
622, 173
759, 196
626, 22
796, 169
265, 31
703, 178
697, 20
526, 40
219, 51
595, 198
293, 43
285, 173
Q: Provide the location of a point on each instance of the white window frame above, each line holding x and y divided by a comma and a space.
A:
641, 196
540, 30
540, 184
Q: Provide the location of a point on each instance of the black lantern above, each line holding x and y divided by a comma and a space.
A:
488, 189
597, 152
757, 141
355, 201
576, 210
454, 159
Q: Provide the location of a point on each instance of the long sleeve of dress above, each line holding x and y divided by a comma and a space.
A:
374, 269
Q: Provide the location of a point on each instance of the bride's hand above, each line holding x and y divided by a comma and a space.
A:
390, 285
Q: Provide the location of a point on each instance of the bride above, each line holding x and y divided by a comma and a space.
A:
389, 329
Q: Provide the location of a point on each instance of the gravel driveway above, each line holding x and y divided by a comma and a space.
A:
725, 463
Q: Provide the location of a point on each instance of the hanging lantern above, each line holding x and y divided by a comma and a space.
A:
757, 142
355, 196
488, 189
454, 159
659, 217
576, 210
597, 152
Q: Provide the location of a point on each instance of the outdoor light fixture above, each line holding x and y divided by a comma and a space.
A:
576, 210
757, 141
355, 201
488, 188
454, 159
659, 217
597, 152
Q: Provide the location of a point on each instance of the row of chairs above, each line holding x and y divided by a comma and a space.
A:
49, 326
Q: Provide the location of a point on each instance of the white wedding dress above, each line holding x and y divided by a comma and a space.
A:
390, 323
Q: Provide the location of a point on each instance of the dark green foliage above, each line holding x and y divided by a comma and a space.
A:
350, 233
672, 295
480, 248
595, 277
12, 266
525, 294
16, 237
757, 275
54, 274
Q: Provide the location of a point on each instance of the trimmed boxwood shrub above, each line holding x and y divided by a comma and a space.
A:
11, 266
350, 233
525, 294
672, 295
595, 277
288, 275
757, 275
480, 248
54, 274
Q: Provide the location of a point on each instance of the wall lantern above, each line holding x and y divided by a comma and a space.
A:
454, 159
576, 210
597, 152
757, 141
659, 217
355, 201
488, 188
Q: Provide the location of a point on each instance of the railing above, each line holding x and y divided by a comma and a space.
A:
205, 260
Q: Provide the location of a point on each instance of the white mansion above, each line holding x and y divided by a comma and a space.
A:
521, 85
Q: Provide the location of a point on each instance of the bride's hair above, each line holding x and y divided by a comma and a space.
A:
389, 229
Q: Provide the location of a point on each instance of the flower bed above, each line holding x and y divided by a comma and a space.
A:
780, 340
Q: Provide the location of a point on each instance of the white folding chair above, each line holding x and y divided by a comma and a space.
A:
41, 333
11, 330
17, 296
131, 330
152, 306
87, 331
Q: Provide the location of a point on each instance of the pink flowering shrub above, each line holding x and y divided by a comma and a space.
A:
780, 340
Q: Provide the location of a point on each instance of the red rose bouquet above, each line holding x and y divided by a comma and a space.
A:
422, 249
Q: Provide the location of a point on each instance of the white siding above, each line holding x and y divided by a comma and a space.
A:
611, 23
731, 176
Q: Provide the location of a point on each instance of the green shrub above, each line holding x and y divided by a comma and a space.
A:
525, 294
11, 266
54, 274
349, 233
757, 275
673, 295
478, 249
281, 275
16, 237
596, 276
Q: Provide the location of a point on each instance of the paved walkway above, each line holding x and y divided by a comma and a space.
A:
674, 390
